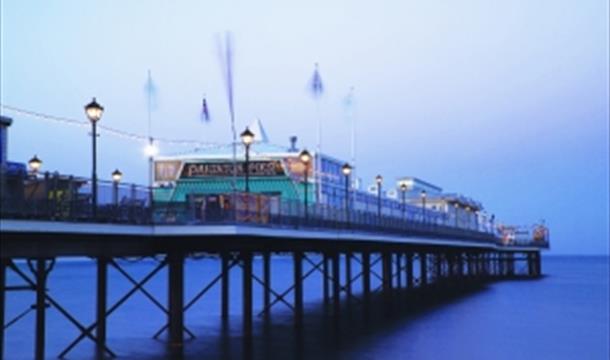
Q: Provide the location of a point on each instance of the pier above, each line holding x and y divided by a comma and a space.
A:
406, 255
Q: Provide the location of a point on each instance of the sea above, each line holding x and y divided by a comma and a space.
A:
562, 315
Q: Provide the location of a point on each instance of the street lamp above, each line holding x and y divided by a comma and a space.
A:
468, 220
116, 179
347, 170
35, 163
247, 138
379, 180
117, 175
423, 195
403, 189
456, 206
94, 113
305, 158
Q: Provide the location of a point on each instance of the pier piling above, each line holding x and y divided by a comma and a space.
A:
102, 296
176, 299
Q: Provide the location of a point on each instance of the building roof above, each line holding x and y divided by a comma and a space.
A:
225, 151
5, 120
260, 135
454, 198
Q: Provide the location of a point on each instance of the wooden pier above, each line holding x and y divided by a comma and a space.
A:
410, 262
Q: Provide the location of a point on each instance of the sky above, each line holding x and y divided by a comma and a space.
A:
506, 102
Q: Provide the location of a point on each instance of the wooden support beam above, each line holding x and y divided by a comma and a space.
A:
386, 264
438, 262
325, 272
336, 284
246, 257
176, 299
398, 256
298, 287
423, 269
348, 276
366, 280
3, 266
409, 271
224, 285
267, 280
41, 271
101, 305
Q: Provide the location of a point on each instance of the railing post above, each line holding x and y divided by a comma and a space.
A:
46, 200
71, 196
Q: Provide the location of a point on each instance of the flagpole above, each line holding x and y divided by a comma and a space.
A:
150, 138
226, 61
318, 166
317, 89
352, 120
148, 98
232, 109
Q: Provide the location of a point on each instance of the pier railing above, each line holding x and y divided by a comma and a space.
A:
58, 197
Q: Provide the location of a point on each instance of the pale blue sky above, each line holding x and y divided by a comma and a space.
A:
506, 101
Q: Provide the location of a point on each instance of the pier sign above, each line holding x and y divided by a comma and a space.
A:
220, 169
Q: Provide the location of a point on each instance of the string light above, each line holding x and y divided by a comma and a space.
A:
149, 149
109, 130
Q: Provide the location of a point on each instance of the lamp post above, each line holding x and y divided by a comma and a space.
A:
423, 195
94, 113
403, 189
34, 164
468, 220
150, 150
456, 206
305, 158
347, 170
116, 179
379, 181
247, 137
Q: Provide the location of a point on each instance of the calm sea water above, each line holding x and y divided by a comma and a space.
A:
561, 316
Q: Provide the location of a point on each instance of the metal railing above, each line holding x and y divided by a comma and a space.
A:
58, 197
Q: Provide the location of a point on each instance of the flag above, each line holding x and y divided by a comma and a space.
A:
205, 113
349, 102
151, 92
316, 87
